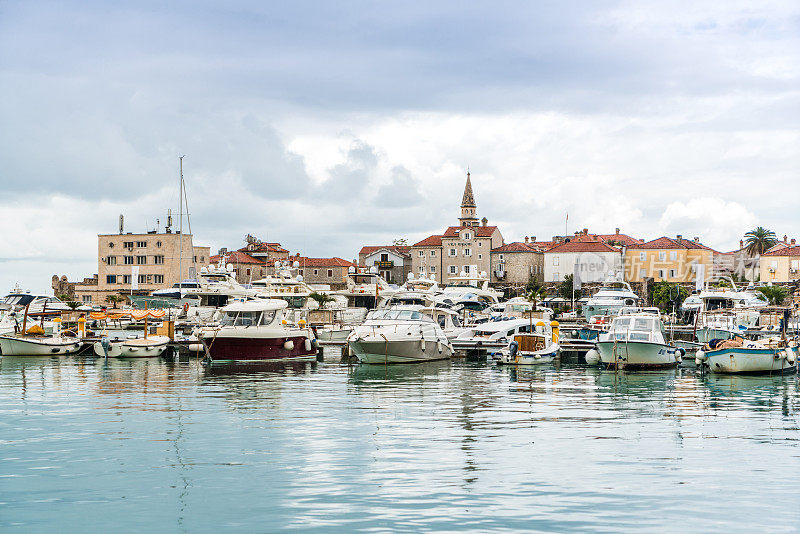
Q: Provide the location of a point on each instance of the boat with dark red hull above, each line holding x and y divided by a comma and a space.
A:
256, 331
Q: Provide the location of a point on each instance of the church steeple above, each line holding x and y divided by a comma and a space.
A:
468, 217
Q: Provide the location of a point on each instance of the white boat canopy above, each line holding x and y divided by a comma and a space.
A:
256, 305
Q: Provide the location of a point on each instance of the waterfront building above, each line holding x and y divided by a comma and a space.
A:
781, 264
736, 263
246, 267
140, 263
516, 264
667, 259
392, 261
593, 259
464, 248
323, 271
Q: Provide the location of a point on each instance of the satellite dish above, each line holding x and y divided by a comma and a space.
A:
351, 270
410, 276
299, 277
211, 268
203, 270
373, 270
229, 267
277, 265
296, 264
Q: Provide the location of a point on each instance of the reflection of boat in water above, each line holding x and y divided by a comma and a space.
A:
264, 367
377, 375
641, 384
751, 388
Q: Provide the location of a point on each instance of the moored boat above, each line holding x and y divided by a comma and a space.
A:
636, 341
533, 348
30, 345
146, 347
749, 357
254, 331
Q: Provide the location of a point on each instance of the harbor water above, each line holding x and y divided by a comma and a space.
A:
159, 446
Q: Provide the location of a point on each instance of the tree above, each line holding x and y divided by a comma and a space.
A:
757, 242
400, 242
114, 299
565, 289
535, 294
665, 294
321, 298
775, 295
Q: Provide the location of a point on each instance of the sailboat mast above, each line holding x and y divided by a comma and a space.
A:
180, 228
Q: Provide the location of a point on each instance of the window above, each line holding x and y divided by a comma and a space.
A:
673, 255
480, 244
111, 245
452, 269
330, 273
662, 273
316, 272
642, 273
643, 256
422, 253
267, 317
467, 236
247, 272
158, 244
453, 252
480, 256
111, 260
128, 260
158, 278
142, 278
673, 273
194, 259
556, 277
501, 257
433, 253
555, 261
126, 279
421, 269
141, 244
384, 257
300, 271
466, 269
127, 244
87, 299
141, 260
433, 268
111, 279
149, 278
158, 260
202, 259
662, 256
467, 252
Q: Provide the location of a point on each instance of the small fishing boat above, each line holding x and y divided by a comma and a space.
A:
534, 348
749, 357
636, 341
399, 335
34, 345
138, 347
256, 331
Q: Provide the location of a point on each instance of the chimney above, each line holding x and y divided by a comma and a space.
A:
585, 231
792, 242
533, 239
121, 223
616, 231
696, 239
741, 243
785, 238
680, 238
526, 240
484, 221
222, 251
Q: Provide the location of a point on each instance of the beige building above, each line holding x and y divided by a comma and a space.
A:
667, 259
464, 248
141, 263
515, 264
781, 264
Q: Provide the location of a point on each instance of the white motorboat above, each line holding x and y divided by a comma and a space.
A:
18, 300
32, 345
636, 341
742, 356
137, 347
333, 334
610, 299
421, 285
399, 335
484, 338
218, 287
365, 289
449, 321
256, 331
532, 348
467, 287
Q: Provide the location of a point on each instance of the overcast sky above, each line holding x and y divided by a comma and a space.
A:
330, 125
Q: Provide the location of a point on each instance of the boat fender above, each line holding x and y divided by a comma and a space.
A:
308, 345
779, 354
593, 357
679, 354
55, 350
512, 348
289, 345
791, 357
440, 347
422, 344
699, 356
185, 307
195, 347
106, 344
537, 356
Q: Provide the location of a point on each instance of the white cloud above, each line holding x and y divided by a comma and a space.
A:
714, 220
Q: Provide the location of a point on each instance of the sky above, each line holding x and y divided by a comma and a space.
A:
327, 126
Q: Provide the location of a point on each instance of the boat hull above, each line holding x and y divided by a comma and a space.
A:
637, 355
137, 348
14, 346
529, 358
406, 351
260, 349
333, 336
706, 334
748, 361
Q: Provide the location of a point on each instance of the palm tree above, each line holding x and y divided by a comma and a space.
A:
113, 299
759, 241
775, 295
321, 298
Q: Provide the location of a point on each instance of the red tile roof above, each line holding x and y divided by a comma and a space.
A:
583, 246
321, 262
517, 247
236, 257
786, 251
480, 231
402, 250
545, 245
263, 247
669, 243
431, 241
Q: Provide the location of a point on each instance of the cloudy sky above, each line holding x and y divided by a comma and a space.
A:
330, 125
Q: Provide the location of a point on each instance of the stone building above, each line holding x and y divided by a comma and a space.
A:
247, 267
463, 248
392, 261
141, 263
516, 264
667, 259
324, 271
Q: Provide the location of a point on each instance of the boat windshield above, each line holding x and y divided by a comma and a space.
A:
399, 315
18, 300
247, 318
362, 279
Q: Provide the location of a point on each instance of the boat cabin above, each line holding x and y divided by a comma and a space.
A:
642, 327
253, 313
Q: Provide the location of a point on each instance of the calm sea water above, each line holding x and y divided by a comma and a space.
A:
155, 446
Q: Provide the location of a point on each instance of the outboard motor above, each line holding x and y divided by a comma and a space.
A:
106, 344
512, 348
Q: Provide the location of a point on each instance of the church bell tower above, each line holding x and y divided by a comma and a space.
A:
468, 217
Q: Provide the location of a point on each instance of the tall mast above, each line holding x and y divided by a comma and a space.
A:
180, 228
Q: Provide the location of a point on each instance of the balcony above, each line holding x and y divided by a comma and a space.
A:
384, 264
